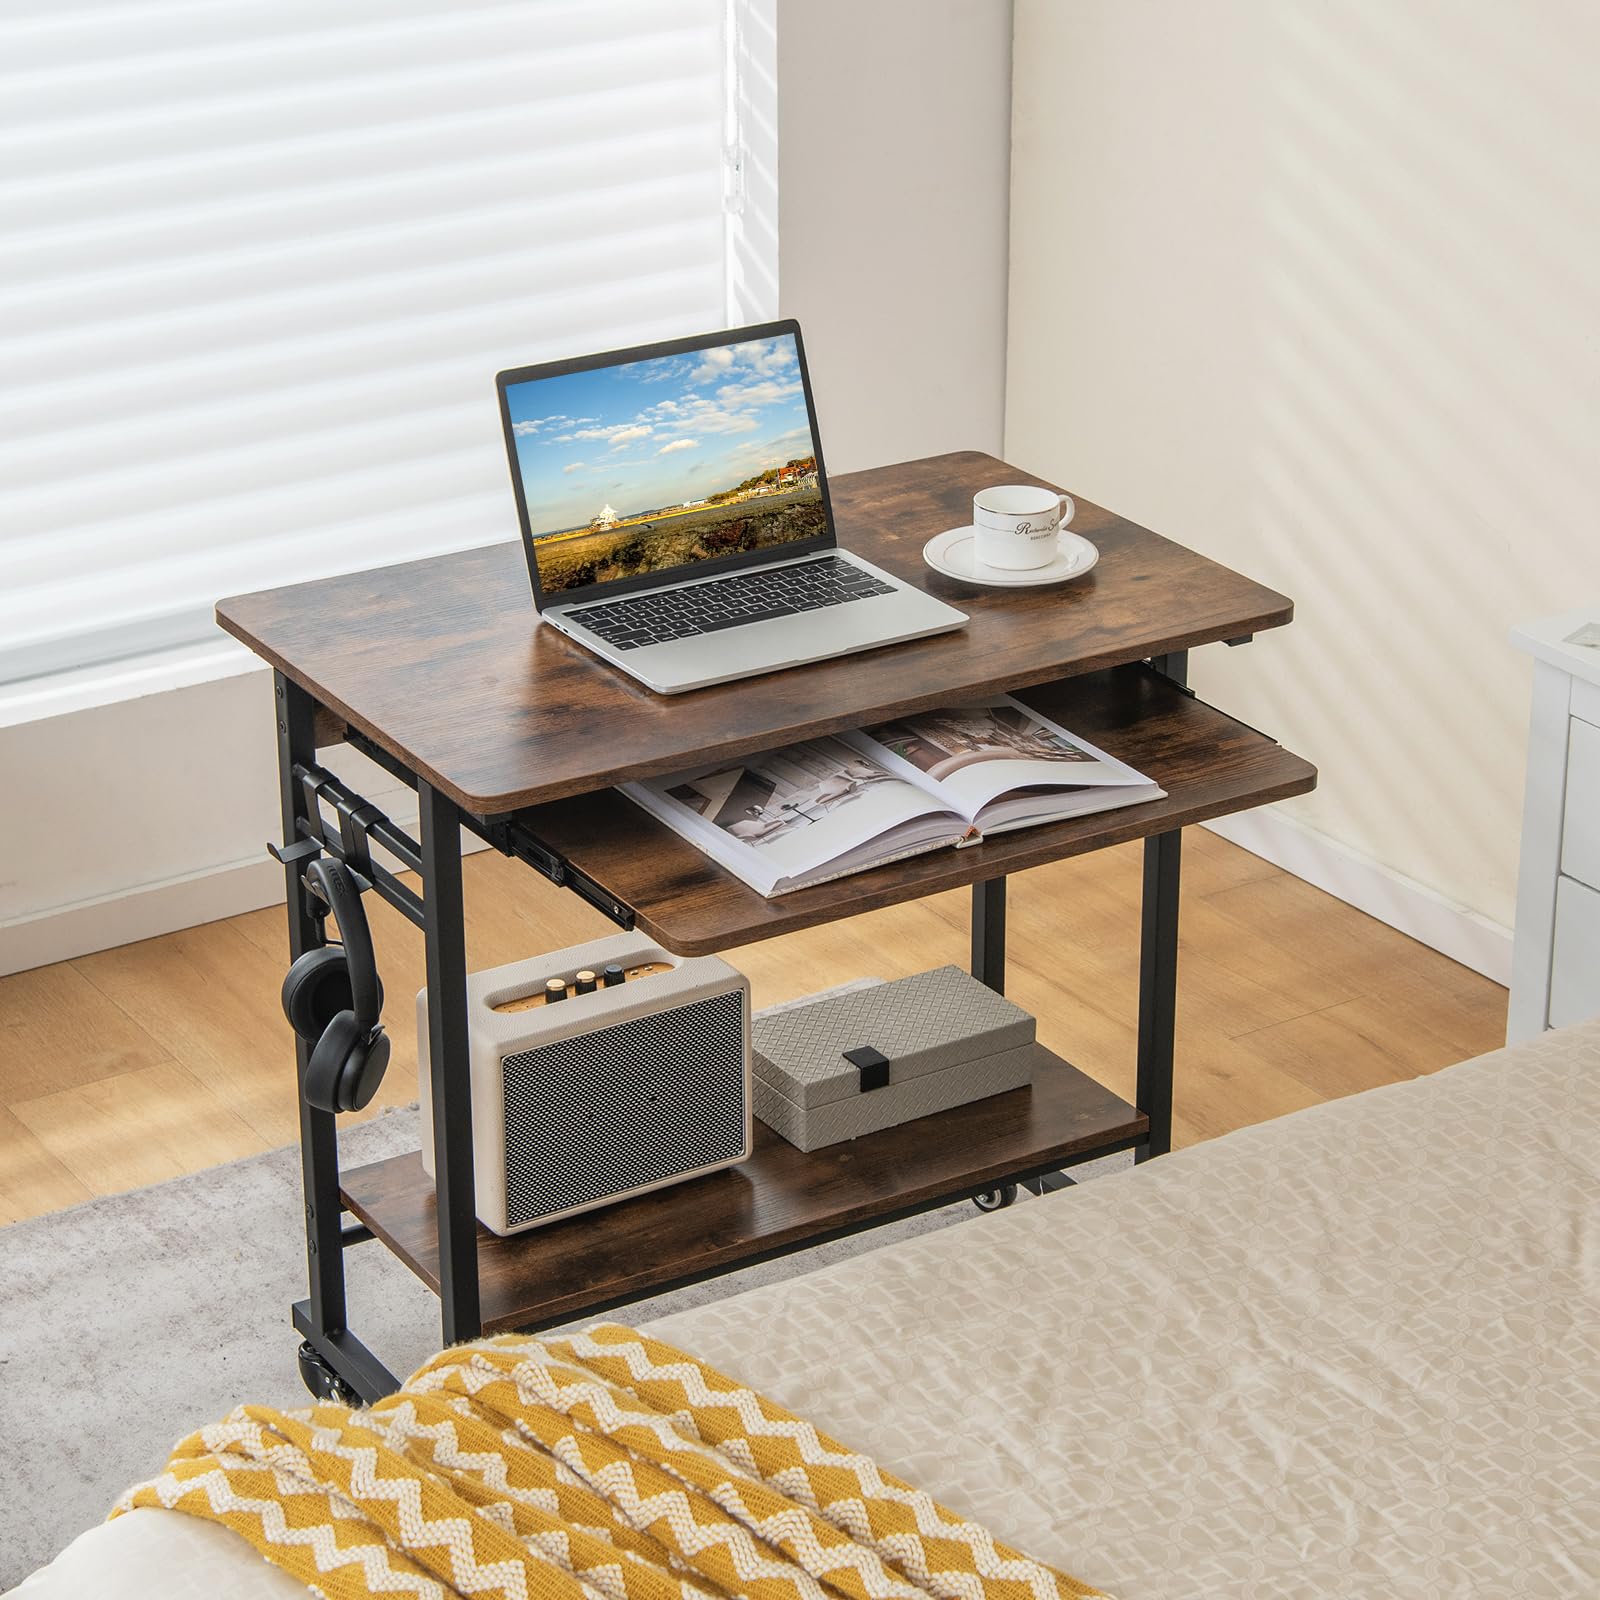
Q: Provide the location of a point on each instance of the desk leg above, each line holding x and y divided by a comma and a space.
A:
449, 1070
333, 1362
319, 1150
989, 933
1158, 965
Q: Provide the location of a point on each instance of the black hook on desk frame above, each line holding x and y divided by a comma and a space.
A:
360, 825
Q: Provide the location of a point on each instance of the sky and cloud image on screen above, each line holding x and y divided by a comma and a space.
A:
633, 469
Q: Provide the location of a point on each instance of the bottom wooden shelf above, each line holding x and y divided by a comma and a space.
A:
779, 1200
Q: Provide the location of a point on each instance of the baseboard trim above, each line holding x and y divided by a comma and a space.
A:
133, 914
208, 896
1404, 904
145, 912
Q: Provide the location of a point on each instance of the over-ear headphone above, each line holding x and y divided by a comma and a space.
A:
333, 996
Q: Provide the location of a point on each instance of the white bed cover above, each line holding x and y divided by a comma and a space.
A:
1353, 1352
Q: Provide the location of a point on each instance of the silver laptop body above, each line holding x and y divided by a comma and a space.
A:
675, 513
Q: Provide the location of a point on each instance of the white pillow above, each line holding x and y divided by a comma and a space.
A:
152, 1554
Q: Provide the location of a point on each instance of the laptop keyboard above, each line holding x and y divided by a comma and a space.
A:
728, 602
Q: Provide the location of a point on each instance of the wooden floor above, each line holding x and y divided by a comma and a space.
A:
141, 1063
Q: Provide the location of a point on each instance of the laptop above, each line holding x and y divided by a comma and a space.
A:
675, 513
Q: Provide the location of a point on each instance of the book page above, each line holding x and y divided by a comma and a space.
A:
784, 813
1025, 808
969, 755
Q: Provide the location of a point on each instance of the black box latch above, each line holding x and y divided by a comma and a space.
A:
872, 1067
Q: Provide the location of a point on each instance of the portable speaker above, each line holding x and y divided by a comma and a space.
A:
606, 1094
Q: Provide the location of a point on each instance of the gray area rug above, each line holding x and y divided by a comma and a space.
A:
131, 1321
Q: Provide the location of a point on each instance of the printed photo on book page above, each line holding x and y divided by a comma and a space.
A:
973, 754
787, 812
789, 791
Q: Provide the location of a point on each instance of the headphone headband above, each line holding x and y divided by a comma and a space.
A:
332, 880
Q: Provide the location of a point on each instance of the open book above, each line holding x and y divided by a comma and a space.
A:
789, 818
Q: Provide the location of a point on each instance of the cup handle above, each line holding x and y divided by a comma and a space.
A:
1068, 512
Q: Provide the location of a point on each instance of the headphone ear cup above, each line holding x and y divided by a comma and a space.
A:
315, 990
364, 1072
326, 1070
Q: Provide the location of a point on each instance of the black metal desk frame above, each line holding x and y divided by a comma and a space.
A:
335, 1362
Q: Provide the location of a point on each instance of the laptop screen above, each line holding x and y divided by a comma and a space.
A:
653, 465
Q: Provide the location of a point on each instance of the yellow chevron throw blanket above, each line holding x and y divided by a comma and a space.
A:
605, 1466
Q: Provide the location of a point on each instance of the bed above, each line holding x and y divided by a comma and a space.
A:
1355, 1351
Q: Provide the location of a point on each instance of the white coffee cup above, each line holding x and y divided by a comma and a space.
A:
1016, 526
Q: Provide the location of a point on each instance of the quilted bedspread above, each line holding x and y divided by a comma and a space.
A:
1351, 1352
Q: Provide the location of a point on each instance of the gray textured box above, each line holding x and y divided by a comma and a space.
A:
949, 1039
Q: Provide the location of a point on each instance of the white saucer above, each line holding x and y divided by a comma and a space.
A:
954, 554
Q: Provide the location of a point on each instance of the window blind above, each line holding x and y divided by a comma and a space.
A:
260, 260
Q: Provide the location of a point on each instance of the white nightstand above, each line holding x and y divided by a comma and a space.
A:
1555, 968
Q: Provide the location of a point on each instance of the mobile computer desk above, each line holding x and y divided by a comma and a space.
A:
438, 671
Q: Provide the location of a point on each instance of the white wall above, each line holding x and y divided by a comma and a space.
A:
150, 813
1312, 288
123, 820
894, 137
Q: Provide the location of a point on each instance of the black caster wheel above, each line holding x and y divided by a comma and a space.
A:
996, 1199
322, 1380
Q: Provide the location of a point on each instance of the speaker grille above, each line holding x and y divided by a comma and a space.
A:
624, 1106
